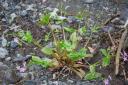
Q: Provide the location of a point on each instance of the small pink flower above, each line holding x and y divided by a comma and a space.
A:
106, 82
124, 55
22, 68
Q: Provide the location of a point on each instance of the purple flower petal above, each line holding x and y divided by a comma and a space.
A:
124, 55
22, 68
106, 82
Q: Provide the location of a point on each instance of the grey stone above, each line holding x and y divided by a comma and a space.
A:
23, 13
8, 59
70, 81
3, 52
4, 42
30, 82
23, 75
89, 1
11, 76
13, 44
3, 66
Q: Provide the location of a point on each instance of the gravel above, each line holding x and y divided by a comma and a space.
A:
3, 52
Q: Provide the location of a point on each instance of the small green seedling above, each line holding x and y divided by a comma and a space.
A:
44, 19
82, 30
47, 36
106, 58
95, 28
25, 36
92, 74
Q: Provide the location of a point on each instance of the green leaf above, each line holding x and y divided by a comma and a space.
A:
92, 68
75, 56
46, 50
70, 30
82, 30
107, 57
92, 76
106, 61
74, 39
65, 45
27, 37
21, 33
47, 36
53, 14
104, 52
95, 28
43, 62
45, 19
79, 16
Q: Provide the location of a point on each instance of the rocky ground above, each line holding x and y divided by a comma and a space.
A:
24, 14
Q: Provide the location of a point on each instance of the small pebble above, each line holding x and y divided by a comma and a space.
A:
13, 44
30, 82
23, 13
3, 52
8, 59
3, 66
4, 42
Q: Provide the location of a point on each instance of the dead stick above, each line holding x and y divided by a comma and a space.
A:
117, 60
112, 41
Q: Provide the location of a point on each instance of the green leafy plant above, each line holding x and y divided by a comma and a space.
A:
69, 29
92, 74
44, 19
95, 28
42, 62
77, 55
47, 36
25, 36
82, 30
106, 58
64, 52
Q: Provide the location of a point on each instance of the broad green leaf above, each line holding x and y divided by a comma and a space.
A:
79, 16
92, 75
77, 55
21, 33
104, 52
106, 61
43, 62
45, 19
74, 39
106, 58
27, 37
47, 50
70, 30
65, 45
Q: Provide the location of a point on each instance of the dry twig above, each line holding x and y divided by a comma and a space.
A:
123, 37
